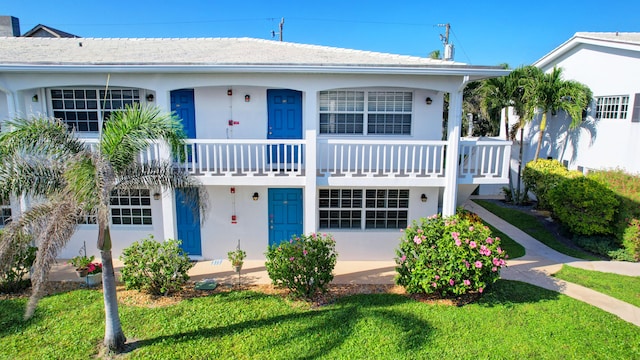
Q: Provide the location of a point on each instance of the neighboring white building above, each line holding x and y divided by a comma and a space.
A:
609, 63
287, 138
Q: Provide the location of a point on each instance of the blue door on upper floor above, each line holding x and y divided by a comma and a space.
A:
188, 223
285, 214
183, 103
285, 122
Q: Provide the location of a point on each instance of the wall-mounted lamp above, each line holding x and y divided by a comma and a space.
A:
423, 198
229, 92
255, 196
428, 101
247, 98
150, 97
156, 196
34, 98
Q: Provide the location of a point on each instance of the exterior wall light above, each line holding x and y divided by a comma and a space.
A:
34, 98
255, 196
428, 101
156, 196
247, 98
150, 97
423, 198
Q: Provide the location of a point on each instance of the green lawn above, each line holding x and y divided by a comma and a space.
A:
514, 250
625, 288
530, 225
513, 321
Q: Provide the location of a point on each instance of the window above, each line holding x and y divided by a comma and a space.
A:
85, 109
386, 113
5, 212
381, 208
85, 219
131, 207
612, 107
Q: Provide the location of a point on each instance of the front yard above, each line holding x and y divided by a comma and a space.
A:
514, 320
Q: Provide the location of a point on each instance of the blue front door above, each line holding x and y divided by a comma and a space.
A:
182, 102
285, 122
188, 223
285, 214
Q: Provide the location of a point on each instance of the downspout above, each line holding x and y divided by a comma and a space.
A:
450, 195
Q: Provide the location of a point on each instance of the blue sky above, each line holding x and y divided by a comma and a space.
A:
483, 32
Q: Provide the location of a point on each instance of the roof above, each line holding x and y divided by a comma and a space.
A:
618, 40
182, 54
47, 31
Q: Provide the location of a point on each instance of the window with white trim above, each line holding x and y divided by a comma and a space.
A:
5, 212
368, 209
385, 113
85, 109
131, 207
612, 107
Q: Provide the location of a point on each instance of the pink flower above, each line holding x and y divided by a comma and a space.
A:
292, 258
470, 228
403, 258
466, 282
480, 290
472, 244
304, 252
499, 250
458, 242
417, 240
437, 277
455, 235
478, 264
495, 262
466, 263
494, 269
489, 240
434, 285
451, 282
419, 231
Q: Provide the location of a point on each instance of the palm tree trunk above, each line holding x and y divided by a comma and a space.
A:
114, 338
506, 136
543, 126
520, 155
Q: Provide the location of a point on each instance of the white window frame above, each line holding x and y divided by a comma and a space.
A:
341, 207
68, 102
359, 108
131, 207
612, 107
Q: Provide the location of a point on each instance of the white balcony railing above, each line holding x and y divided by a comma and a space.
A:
484, 161
377, 158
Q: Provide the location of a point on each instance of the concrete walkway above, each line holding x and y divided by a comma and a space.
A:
536, 268
540, 262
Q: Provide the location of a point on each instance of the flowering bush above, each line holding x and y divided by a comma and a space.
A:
304, 265
448, 256
94, 268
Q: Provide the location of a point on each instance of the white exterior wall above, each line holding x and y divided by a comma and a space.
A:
614, 143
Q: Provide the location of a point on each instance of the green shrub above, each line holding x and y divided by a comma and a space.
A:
631, 239
584, 206
304, 265
603, 245
448, 256
542, 175
158, 268
13, 278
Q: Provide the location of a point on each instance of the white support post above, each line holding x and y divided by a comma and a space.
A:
169, 227
310, 187
450, 196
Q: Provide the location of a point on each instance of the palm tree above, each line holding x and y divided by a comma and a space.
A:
40, 158
548, 92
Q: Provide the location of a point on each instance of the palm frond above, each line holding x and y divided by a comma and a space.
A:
31, 173
40, 133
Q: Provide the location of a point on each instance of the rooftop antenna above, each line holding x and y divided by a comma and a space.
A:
273, 33
448, 48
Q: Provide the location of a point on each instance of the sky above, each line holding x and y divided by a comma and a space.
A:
482, 32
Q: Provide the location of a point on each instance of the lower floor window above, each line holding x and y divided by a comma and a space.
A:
131, 207
5, 212
371, 208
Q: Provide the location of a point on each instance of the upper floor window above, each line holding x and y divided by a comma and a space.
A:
385, 113
612, 107
85, 109
5, 212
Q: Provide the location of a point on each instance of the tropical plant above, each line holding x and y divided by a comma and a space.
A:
304, 264
236, 257
41, 158
14, 279
548, 93
158, 268
81, 261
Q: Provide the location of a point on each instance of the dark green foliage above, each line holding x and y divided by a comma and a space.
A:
603, 245
304, 265
13, 278
158, 268
584, 206
447, 256
631, 239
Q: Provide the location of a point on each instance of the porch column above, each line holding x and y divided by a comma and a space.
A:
169, 228
450, 196
310, 186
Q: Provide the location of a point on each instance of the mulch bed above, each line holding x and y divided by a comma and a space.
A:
137, 298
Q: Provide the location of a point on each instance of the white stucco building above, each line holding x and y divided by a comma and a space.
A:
287, 138
609, 63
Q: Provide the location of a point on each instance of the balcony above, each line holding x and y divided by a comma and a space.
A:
338, 162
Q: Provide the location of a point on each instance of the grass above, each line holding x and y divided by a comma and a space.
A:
514, 250
530, 225
513, 321
621, 287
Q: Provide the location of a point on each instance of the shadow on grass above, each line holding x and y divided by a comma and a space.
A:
508, 292
322, 330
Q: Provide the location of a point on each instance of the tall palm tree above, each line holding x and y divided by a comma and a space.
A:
549, 93
40, 158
